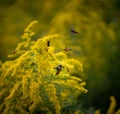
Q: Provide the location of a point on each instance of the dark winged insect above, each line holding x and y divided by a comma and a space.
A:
58, 69
67, 49
74, 31
14, 52
48, 43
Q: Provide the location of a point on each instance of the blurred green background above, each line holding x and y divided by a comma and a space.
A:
97, 45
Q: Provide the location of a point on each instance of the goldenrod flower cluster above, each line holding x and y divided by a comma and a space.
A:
37, 80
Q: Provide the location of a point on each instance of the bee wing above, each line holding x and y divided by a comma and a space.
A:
57, 72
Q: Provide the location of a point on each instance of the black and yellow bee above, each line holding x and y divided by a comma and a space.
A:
58, 69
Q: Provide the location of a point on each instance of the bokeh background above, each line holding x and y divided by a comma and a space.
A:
97, 45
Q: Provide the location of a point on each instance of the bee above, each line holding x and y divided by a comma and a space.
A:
74, 31
14, 52
58, 69
48, 43
67, 49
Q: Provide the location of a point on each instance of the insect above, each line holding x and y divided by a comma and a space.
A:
74, 31
67, 49
58, 69
48, 43
14, 52
71, 28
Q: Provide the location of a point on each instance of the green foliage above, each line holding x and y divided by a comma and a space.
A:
30, 83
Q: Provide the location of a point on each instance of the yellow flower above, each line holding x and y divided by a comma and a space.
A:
51, 91
112, 105
28, 28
